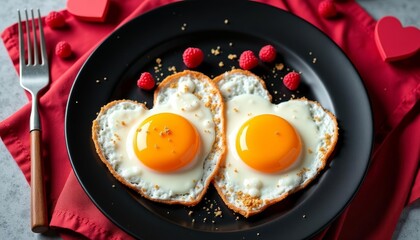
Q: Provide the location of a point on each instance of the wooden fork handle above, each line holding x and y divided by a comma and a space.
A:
39, 217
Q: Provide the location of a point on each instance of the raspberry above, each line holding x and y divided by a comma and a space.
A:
327, 9
267, 53
55, 20
193, 57
146, 81
292, 80
248, 60
63, 49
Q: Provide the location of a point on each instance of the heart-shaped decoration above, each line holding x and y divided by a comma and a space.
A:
90, 10
394, 41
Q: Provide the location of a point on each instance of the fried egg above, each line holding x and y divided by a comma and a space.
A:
171, 152
273, 150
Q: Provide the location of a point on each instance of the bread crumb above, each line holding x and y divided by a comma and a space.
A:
216, 51
249, 201
232, 56
279, 66
226, 21
302, 171
221, 64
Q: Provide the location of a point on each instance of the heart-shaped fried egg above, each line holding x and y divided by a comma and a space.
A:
171, 152
273, 150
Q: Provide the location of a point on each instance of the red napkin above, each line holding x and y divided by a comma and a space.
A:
393, 179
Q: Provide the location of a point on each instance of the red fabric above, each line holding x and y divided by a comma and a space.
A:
393, 179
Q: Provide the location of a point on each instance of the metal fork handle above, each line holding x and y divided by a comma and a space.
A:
34, 122
39, 217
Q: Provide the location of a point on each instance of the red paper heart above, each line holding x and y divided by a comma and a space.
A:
89, 10
395, 42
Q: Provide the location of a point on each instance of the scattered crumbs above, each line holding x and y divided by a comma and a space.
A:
218, 213
221, 64
279, 66
310, 53
193, 220
97, 81
226, 21
314, 60
105, 78
216, 51
113, 185
183, 27
167, 212
212, 221
230, 44
232, 56
258, 234
158, 61
237, 218
204, 219
304, 216
77, 101
272, 84
275, 92
288, 69
172, 69
190, 213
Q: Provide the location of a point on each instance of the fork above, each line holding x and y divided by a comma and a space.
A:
34, 76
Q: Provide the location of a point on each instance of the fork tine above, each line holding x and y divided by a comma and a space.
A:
44, 58
35, 43
21, 42
28, 36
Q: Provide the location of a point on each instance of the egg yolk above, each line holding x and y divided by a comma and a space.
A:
268, 143
166, 142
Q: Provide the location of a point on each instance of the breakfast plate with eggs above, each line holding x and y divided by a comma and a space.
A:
217, 152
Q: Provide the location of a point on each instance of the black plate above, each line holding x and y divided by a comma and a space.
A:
327, 76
